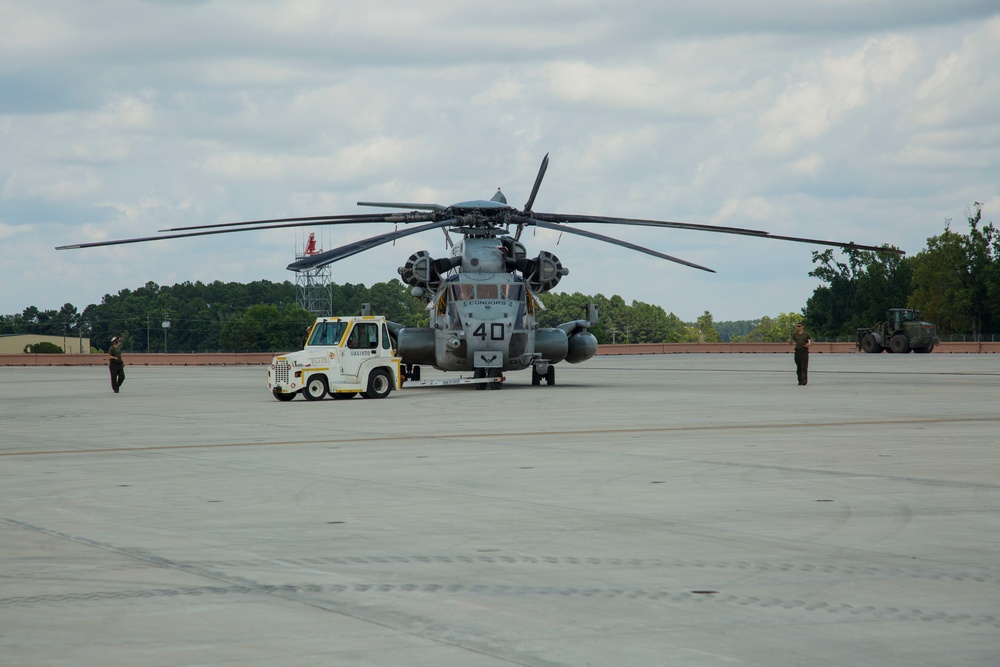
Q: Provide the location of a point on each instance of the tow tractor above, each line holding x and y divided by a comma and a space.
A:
344, 357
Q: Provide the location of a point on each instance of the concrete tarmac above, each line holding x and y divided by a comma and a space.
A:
695, 510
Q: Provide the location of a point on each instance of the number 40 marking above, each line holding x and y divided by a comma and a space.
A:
496, 331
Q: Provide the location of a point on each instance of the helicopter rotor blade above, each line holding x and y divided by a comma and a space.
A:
538, 183
418, 207
354, 217
386, 217
350, 249
606, 220
847, 245
608, 239
570, 218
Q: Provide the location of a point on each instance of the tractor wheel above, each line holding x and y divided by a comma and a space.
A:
899, 344
379, 384
316, 388
870, 344
343, 395
282, 397
924, 350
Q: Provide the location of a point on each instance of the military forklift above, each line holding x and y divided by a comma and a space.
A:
900, 332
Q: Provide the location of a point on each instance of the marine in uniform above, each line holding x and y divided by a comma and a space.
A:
801, 340
115, 364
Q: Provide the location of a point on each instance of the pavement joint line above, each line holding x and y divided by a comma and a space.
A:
519, 434
303, 593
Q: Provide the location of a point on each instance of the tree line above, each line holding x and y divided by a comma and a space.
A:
264, 316
954, 282
261, 316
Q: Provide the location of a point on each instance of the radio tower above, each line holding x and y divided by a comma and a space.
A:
313, 288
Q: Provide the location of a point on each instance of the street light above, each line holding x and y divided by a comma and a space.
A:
166, 325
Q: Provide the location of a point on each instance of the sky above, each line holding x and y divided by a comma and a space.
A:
851, 120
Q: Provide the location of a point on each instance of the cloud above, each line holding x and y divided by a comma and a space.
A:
828, 90
872, 120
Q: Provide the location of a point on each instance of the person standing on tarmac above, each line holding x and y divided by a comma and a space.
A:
801, 340
115, 364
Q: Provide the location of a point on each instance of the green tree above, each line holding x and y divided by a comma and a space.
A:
618, 322
942, 291
649, 323
732, 329
771, 330
394, 301
858, 291
266, 327
703, 330
43, 348
957, 279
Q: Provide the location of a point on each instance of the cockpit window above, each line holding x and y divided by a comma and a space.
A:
486, 291
461, 292
327, 333
512, 292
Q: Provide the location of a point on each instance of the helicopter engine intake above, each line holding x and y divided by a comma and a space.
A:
542, 273
419, 271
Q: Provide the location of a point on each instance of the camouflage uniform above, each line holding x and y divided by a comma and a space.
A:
801, 339
116, 365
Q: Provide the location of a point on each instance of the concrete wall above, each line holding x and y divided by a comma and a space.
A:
158, 359
779, 348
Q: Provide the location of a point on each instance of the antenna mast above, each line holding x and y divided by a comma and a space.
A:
313, 287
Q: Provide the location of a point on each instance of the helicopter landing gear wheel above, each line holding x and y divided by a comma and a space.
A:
497, 383
543, 371
478, 374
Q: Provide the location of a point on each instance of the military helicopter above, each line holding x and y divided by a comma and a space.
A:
483, 298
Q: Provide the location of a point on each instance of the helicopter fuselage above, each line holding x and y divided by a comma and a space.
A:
483, 315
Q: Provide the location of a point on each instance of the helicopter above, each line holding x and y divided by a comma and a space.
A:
483, 298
